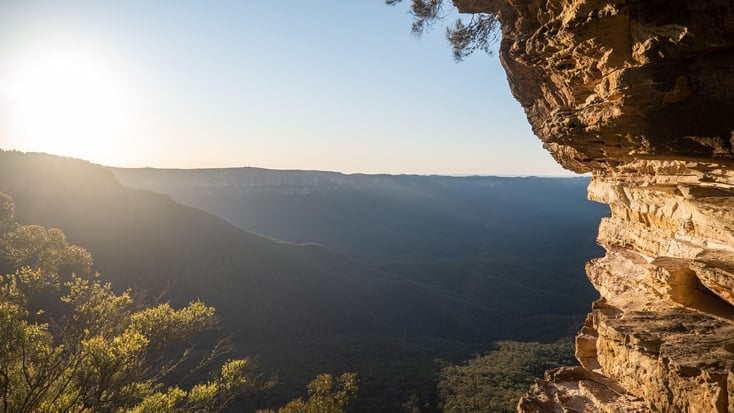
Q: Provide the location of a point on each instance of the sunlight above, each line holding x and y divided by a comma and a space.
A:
70, 103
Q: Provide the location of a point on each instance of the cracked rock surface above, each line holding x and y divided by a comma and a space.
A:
640, 94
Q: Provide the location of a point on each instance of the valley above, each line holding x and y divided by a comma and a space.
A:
321, 272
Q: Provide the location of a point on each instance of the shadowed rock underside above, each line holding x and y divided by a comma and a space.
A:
640, 94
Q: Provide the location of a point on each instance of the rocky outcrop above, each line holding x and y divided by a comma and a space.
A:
640, 94
609, 82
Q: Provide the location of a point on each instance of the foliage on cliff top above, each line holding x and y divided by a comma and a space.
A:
479, 32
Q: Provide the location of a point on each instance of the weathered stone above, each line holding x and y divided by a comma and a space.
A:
640, 94
575, 389
608, 82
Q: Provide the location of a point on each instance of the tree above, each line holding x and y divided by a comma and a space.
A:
325, 395
7, 211
68, 343
480, 32
45, 249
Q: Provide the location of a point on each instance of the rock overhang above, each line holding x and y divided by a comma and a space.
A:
641, 94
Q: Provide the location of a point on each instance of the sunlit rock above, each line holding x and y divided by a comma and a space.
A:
640, 94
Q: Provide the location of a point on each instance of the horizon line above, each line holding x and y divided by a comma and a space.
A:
249, 166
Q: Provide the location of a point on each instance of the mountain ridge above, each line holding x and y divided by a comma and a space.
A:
144, 239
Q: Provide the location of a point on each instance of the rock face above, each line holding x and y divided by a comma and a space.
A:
640, 94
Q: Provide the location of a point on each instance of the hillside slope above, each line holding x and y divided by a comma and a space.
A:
142, 239
265, 288
517, 245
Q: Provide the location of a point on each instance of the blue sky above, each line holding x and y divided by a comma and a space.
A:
328, 85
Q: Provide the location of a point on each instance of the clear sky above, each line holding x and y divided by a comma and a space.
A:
330, 85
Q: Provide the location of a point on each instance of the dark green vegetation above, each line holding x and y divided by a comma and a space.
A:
424, 267
494, 382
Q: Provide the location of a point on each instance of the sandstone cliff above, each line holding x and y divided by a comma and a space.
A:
641, 94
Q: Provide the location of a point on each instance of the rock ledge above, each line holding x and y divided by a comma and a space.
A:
640, 94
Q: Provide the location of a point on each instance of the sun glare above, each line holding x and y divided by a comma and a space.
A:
69, 103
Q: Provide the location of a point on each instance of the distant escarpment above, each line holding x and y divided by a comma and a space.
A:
641, 94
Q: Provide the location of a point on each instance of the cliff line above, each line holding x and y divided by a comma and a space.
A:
640, 94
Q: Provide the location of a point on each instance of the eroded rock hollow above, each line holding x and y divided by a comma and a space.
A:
640, 94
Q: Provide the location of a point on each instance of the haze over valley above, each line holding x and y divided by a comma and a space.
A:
320, 271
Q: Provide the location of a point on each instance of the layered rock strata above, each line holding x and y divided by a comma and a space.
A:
640, 94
